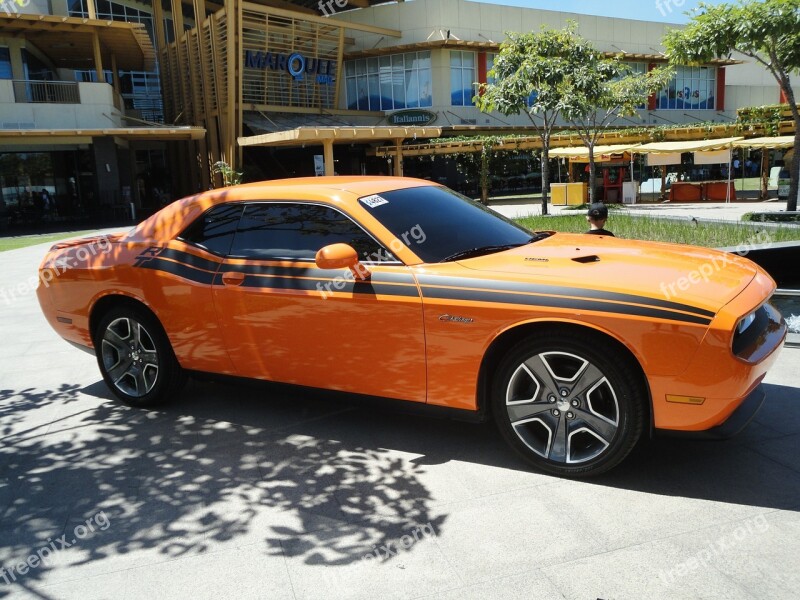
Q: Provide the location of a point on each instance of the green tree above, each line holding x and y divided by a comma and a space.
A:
768, 32
527, 77
602, 88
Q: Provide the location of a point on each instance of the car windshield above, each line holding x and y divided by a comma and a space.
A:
439, 225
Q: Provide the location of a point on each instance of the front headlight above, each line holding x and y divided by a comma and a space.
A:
746, 322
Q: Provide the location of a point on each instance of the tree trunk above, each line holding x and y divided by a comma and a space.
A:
592, 170
764, 174
545, 175
484, 178
794, 171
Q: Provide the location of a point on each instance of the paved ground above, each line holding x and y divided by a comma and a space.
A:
262, 492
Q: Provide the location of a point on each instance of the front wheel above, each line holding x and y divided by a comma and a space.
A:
136, 358
569, 405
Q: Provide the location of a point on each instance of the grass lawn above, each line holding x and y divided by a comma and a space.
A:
23, 241
713, 235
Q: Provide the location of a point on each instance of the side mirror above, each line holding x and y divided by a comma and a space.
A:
340, 256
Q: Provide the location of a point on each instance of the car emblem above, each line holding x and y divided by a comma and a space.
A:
454, 319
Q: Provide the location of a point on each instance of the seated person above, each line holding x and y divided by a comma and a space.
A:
597, 216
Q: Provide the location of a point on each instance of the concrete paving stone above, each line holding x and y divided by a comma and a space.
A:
241, 573
336, 569
662, 569
532, 585
763, 554
782, 450
528, 532
781, 410
107, 586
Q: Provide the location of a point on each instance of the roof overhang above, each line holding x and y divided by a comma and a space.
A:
784, 141
84, 136
599, 151
320, 135
68, 41
491, 46
691, 146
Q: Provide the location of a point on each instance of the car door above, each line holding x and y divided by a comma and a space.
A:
286, 320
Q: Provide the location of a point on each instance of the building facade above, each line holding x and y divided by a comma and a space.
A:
280, 88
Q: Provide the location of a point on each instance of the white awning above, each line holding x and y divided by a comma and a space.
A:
583, 151
784, 141
696, 146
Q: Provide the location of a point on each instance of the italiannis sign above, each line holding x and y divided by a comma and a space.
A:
412, 117
295, 64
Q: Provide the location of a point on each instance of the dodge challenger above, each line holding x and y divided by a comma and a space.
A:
576, 346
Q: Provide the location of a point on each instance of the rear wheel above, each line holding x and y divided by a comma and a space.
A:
569, 405
136, 358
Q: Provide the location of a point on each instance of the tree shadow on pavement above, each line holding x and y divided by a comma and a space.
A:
241, 464
302, 473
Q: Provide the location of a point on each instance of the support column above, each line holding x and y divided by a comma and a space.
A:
115, 74
90, 9
398, 157
98, 59
327, 150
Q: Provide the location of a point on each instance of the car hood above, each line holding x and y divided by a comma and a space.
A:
704, 278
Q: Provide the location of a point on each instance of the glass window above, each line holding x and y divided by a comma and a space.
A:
5, 64
462, 78
389, 82
693, 88
214, 230
436, 222
272, 230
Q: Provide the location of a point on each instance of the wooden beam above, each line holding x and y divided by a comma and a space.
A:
90, 8
398, 157
199, 12
158, 25
327, 149
177, 19
98, 59
292, 14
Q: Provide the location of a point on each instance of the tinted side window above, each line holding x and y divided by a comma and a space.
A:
298, 231
214, 230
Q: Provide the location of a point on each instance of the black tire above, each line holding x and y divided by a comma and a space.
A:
136, 358
571, 405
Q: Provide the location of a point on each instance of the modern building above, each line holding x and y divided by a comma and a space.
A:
278, 88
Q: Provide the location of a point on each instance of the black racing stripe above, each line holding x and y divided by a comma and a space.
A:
190, 259
327, 286
180, 269
315, 273
506, 286
569, 303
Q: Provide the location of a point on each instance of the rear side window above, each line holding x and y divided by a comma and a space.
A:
214, 230
297, 231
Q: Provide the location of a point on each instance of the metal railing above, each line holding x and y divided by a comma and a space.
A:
53, 92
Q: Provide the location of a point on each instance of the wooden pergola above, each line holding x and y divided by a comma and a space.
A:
328, 136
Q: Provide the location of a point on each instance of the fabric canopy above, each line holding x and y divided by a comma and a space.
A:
784, 141
696, 146
583, 151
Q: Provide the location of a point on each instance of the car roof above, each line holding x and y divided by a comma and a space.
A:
340, 190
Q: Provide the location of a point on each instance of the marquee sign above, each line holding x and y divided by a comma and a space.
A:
413, 117
295, 64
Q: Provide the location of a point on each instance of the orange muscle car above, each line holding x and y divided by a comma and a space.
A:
397, 288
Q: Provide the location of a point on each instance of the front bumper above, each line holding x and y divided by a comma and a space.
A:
734, 424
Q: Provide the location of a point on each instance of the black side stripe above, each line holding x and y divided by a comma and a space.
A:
569, 303
179, 269
190, 259
555, 290
328, 286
